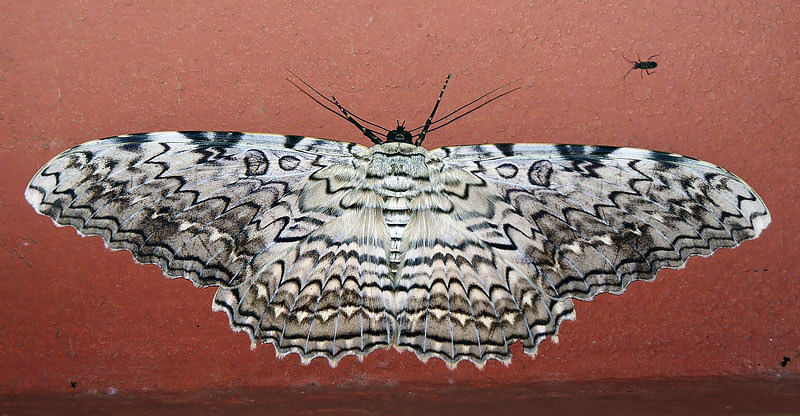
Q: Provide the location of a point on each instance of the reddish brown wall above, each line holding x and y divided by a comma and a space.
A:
725, 91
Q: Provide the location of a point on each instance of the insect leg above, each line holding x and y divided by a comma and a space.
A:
626, 74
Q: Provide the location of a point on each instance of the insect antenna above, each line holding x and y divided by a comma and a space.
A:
473, 102
634, 64
429, 123
330, 101
345, 114
421, 135
627, 73
473, 109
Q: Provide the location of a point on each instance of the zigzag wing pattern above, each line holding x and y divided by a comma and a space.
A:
460, 298
257, 215
328, 249
591, 219
199, 205
327, 295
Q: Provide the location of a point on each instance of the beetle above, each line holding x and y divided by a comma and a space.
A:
645, 66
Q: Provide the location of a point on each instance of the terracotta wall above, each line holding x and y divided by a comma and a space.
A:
77, 317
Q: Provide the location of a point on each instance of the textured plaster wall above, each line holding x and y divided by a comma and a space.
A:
77, 317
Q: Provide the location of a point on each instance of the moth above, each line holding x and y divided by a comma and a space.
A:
329, 249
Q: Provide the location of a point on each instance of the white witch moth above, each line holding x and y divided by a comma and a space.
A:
328, 249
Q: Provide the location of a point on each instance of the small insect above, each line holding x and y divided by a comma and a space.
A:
645, 66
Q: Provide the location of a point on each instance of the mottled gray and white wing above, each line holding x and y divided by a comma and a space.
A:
462, 297
591, 219
253, 214
518, 231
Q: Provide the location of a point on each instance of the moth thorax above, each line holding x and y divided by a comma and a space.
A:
411, 165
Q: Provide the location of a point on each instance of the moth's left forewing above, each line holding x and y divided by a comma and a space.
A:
197, 204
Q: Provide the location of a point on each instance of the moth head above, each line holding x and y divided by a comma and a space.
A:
400, 134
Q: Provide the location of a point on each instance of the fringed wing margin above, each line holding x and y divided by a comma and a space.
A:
602, 217
461, 296
511, 234
245, 212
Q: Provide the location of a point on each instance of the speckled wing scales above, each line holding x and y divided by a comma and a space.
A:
591, 219
512, 233
328, 249
247, 212
326, 295
463, 299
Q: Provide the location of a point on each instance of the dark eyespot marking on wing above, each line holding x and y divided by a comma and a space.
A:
539, 173
255, 162
288, 162
507, 170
